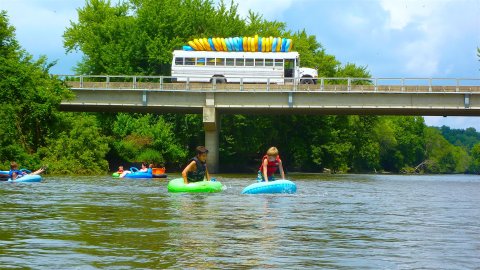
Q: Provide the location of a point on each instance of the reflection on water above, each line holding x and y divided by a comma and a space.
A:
333, 221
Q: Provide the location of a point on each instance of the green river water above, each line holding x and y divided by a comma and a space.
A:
332, 222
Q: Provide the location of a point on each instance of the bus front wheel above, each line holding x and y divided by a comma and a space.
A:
218, 80
306, 81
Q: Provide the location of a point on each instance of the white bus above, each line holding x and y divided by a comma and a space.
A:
236, 67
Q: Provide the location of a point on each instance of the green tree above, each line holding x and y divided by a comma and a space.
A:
475, 162
443, 157
333, 151
257, 25
29, 98
138, 36
352, 71
478, 52
146, 138
459, 137
107, 37
365, 154
386, 137
312, 54
79, 149
401, 142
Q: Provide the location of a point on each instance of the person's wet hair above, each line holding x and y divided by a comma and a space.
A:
201, 150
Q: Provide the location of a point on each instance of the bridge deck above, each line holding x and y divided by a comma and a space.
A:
272, 87
400, 96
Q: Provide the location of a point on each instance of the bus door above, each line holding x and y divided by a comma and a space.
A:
289, 70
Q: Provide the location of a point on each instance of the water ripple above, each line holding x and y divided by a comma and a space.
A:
332, 222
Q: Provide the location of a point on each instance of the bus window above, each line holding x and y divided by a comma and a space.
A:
179, 61
230, 62
220, 61
210, 61
259, 62
200, 61
239, 62
289, 63
279, 62
268, 62
190, 61
249, 62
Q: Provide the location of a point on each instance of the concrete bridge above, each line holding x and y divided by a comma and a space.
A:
361, 96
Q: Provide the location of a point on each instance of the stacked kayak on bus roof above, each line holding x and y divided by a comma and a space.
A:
240, 44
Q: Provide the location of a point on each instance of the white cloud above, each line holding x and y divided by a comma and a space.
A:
402, 13
421, 57
427, 28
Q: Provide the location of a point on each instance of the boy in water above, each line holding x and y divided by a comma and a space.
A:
15, 173
196, 169
271, 162
120, 169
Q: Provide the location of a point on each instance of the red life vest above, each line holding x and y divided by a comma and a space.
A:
272, 166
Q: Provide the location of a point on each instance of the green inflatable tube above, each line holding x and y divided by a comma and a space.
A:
177, 185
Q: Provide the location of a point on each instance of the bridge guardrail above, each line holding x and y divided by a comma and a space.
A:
161, 83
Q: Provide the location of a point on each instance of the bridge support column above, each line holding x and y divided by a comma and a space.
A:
211, 124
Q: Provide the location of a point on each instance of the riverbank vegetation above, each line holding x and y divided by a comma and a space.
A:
137, 37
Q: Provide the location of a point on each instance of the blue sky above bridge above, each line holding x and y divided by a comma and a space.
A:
392, 38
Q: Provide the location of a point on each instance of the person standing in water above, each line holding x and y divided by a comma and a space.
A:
196, 169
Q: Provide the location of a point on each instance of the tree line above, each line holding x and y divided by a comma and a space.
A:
137, 37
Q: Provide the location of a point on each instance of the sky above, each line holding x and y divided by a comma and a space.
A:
391, 38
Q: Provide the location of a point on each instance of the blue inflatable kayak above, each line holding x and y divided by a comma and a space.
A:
138, 175
27, 179
143, 175
277, 186
4, 176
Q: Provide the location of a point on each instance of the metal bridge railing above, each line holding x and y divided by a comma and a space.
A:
162, 83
